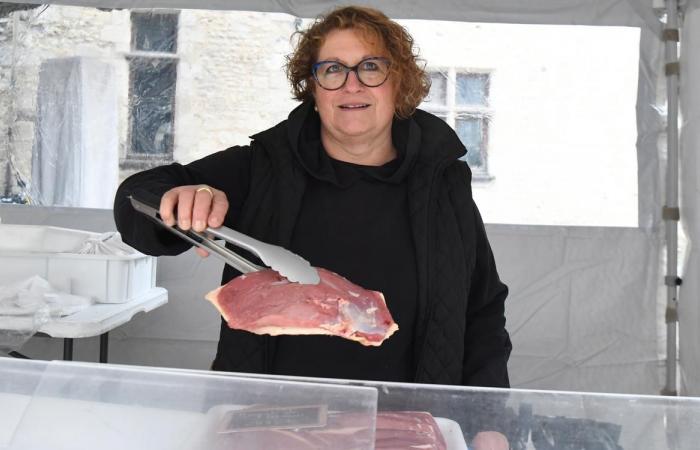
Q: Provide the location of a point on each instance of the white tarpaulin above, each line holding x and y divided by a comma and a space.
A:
583, 310
689, 297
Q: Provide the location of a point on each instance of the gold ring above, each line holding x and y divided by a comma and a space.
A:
205, 188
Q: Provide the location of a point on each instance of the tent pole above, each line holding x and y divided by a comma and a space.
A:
671, 213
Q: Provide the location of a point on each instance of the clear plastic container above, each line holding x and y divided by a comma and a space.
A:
74, 406
19, 379
86, 406
538, 419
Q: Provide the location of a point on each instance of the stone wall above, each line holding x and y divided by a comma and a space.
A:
230, 81
31, 37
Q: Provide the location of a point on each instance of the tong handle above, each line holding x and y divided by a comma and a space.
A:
238, 238
202, 241
149, 204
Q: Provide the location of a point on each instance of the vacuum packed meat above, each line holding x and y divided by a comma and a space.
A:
395, 430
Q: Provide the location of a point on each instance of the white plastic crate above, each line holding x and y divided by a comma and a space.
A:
50, 252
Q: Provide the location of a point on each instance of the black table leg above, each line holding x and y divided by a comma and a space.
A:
67, 349
104, 347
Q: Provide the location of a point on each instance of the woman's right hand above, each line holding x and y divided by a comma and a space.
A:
198, 207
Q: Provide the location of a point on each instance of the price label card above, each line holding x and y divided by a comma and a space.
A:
274, 418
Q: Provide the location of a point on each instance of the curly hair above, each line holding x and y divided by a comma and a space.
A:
413, 83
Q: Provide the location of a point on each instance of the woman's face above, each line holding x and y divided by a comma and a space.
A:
355, 112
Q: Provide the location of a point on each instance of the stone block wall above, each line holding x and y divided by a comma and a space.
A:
230, 80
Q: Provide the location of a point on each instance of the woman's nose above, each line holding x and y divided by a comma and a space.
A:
353, 83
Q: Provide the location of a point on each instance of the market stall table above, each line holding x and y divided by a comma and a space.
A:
96, 320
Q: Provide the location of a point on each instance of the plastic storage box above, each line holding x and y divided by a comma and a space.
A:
78, 406
75, 406
50, 252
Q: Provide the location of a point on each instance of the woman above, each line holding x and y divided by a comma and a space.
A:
357, 181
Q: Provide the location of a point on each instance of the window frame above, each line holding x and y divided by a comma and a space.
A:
450, 112
140, 161
134, 30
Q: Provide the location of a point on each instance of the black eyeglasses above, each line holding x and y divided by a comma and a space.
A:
332, 75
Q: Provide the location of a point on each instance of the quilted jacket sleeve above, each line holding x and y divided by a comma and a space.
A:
487, 345
227, 170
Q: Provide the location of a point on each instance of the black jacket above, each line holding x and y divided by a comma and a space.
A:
460, 335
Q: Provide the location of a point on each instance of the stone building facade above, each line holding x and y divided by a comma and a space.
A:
230, 79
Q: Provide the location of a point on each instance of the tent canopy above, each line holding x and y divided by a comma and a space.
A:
584, 306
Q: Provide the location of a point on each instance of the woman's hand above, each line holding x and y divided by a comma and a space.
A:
490, 440
198, 207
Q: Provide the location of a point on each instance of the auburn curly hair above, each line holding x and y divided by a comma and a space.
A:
412, 82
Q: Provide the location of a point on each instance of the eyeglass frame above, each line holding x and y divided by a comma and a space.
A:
315, 66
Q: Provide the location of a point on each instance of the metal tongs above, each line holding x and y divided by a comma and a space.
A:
288, 264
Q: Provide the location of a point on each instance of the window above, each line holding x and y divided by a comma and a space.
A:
152, 82
154, 32
461, 99
151, 105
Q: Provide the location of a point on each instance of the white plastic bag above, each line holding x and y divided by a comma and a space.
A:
105, 244
27, 305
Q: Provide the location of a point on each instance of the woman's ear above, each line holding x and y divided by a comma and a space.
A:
313, 97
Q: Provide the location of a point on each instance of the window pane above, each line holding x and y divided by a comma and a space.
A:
152, 103
470, 132
438, 89
154, 32
472, 89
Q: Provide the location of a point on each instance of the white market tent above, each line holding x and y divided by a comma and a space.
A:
583, 310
